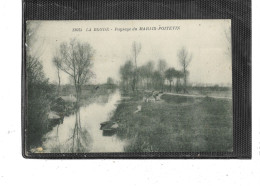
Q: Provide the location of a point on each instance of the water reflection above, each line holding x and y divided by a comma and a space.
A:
81, 139
80, 132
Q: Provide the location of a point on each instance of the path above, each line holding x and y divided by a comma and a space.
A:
198, 96
191, 95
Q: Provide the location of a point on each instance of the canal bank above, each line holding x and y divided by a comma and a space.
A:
80, 132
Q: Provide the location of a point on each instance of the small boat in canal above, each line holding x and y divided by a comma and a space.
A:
109, 128
55, 118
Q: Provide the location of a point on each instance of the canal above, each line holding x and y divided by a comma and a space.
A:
80, 132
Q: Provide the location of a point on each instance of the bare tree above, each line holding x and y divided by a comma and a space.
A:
136, 49
75, 59
57, 64
34, 66
34, 70
184, 60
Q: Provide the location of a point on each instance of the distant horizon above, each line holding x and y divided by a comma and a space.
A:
189, 84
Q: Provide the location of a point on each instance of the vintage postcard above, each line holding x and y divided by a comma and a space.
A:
128, 86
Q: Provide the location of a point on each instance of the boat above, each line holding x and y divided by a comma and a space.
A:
55, 118
109, 125
104, 124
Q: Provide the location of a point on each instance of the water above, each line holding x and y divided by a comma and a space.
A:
80, 132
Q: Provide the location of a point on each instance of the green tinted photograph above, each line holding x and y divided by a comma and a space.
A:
128, 86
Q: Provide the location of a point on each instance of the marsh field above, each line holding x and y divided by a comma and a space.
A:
176, 124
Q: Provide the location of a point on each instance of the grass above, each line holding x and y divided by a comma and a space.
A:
177, 124
177, 99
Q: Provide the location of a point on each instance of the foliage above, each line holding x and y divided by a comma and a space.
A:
179, 75
126, 73
149, 77
136, 49
170, 75
38, 91
39, 95
110, 81
157, 79
162, 65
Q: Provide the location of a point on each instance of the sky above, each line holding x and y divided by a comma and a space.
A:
206, 40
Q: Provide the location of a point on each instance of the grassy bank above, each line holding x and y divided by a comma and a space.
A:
176, 124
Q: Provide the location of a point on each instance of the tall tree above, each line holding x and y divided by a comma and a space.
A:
75, 59
169, 75
162, 65
184, 60
110, 81
148, 73
141, 75
57, 64
157, 80
136, 49
178, 75
126, 73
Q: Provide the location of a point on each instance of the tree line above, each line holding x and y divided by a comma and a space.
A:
39, 93
155, 76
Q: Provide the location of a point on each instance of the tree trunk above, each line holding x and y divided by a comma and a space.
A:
133, 85
77, 88
134, 82
135, 73
173, 83
162, 85
185, 80
177, 85
59, 82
